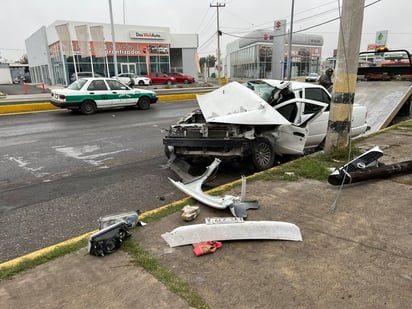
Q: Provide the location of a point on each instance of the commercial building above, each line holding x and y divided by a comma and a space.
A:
59, 51
251, 55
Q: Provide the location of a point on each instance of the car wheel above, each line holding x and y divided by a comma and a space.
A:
143, 103
141, 83
263, 154
88, 108
186, 81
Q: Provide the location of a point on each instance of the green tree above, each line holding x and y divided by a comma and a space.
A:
210, 62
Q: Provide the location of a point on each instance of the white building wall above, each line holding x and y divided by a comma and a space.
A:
122, 32
184, 41
5, 76
231, 47
37, 45
189, 62
37, 48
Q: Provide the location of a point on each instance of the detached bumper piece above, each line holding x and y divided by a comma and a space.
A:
108, 239
199, 233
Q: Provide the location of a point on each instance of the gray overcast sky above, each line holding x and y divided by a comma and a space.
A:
19, 19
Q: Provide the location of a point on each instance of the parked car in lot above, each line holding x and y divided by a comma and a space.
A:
161, 78
132, 79
258, 121
85, 74
88, 95
181, 78
312, 77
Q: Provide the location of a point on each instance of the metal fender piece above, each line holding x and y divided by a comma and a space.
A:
236, 204
192, 234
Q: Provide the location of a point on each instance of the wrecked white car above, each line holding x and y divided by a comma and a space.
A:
259, 120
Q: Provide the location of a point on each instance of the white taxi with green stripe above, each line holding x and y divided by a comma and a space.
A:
88, 95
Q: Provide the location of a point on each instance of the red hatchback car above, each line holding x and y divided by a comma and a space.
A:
181, 78
161, 78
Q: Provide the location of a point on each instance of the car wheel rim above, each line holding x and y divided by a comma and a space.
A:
263, 154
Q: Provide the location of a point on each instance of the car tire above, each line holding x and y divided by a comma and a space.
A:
88, 108
143, 103
141, 83
185, 81
263, 154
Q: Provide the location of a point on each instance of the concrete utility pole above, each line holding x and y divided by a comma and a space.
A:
289, 60
217, 6
113, 39
343, 93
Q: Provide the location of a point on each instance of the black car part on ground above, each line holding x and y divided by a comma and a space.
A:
108, 240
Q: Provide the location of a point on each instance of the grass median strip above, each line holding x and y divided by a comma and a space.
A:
164, 275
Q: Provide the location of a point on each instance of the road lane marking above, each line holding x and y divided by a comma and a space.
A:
85, 154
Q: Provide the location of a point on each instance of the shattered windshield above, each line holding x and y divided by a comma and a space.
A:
271, 94
261, 88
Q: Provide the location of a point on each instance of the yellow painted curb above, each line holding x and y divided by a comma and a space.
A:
24, 107
177, 97
42, 106
44, 251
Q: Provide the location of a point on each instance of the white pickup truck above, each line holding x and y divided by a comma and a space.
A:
258, 120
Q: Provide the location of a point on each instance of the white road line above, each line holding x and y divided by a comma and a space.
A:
85, 154
25, 165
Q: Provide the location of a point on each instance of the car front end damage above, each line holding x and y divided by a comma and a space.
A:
191, 136
234, 122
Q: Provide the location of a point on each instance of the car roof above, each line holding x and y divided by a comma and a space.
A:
99, 78
294, 84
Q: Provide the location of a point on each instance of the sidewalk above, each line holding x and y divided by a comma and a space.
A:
358, 257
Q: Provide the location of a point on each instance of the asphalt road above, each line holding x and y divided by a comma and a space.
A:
60, 172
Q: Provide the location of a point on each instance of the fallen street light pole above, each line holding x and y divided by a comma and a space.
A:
343, 177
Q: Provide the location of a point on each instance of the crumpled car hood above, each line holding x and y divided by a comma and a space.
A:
237, 104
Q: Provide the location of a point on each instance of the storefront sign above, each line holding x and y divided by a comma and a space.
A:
142, 35
381, 38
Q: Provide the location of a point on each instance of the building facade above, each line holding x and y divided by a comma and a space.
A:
251, 55
57, 52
